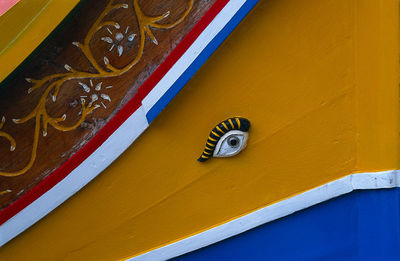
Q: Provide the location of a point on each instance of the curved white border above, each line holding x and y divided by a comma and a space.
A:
114, 146
121, 139
209, 33
370, 180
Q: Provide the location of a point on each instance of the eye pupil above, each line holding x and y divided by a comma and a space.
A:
233, 141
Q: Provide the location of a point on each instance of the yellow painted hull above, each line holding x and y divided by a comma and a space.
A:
25, 26
319, 82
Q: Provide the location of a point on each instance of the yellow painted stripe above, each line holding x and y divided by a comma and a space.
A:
230, 121
208, 148
226, 127
209, 137
208, 153
223, 132
215, 134
25, 26
238, 122
210, 144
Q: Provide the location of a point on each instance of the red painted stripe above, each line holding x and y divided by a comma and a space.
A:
73, 162
183, 46
81, 155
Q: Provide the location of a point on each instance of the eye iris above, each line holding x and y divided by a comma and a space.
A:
233, 141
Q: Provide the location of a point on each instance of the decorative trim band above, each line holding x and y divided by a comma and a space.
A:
372, 180
120, 132
116, 144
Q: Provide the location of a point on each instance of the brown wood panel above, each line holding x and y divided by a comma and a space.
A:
79, 78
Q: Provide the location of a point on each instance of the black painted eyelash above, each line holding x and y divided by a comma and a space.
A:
235, 123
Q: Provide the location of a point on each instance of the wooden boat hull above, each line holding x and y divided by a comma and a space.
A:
319, 82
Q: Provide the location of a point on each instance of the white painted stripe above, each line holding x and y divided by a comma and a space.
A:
115, 145
120, 139
209, 33
373, 180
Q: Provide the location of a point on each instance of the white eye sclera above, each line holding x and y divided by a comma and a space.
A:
231, 143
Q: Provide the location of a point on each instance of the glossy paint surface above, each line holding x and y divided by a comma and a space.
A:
319, 83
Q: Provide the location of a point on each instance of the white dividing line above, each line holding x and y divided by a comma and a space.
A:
209, 33
120, 139
373, 180
114, 146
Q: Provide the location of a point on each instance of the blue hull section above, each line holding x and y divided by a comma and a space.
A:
362, 225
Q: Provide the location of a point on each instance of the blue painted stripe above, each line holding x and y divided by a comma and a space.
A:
362, 225
200, 60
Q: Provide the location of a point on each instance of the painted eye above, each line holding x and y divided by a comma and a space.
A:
227, 139
233, 141
231, 144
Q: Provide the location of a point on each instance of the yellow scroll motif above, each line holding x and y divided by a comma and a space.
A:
5, 192
3, 134
55, 81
